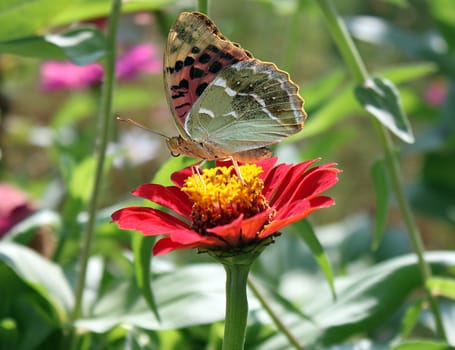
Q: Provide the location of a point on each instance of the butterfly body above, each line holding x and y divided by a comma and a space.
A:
226, 104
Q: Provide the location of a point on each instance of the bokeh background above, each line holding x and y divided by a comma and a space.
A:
49, 124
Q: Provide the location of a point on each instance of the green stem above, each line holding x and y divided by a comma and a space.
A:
293, 38
203, 6
279, 324
104, 128
352, 58
236, 306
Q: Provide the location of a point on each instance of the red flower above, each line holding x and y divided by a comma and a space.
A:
217, 211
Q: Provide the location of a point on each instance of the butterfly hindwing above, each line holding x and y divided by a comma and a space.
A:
249, 105
195, 53
226, 103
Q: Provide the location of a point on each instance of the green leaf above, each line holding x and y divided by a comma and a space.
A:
325, 114
382, 196
309, 236
423, 345
428, 47
142, 249
82, 46
80, 10
81, 179
380, 97
364, 301
411, 318
187, 296
42, 275
442, 286
9, 333
25, 17
409, 72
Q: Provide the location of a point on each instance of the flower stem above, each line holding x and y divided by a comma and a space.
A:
104, 129
279, 324
203, 6
236, 306
352, 58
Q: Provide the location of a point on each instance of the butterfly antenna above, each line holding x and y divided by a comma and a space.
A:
135, 123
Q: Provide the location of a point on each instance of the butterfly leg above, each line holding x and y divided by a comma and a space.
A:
196, 169
237, 169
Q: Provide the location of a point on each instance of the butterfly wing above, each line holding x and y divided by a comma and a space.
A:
195, 53
249, 105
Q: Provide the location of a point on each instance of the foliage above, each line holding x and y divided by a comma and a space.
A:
345, 279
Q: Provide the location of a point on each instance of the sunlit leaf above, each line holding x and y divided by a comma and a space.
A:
442, 286
81, 46
188, 296
411, 318
380, 97
423, 345
364, 300
308, 235
142, 248
42, 275
80, 10
21, 18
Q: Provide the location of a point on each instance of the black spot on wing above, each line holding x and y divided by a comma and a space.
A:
182, 105
188, 61
200, 89
183, 84
215, 67
213, 48
178, 66
195, 49
196, 73
204, 58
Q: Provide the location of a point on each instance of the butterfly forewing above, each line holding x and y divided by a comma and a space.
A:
249, 105
225, 102
195, 54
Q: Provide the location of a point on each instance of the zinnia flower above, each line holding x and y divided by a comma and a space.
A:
216, 211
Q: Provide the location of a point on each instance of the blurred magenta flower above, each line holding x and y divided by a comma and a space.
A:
138, 59
57, 75
14, 207
436, 92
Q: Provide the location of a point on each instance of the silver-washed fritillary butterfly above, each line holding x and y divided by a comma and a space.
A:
225, 102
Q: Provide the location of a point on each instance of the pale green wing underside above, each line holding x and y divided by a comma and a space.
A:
249, 105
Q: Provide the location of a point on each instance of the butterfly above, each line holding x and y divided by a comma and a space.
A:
225, 103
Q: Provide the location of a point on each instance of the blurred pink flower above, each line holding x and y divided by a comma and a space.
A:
139, 58
14, 207
57, 75
436, 92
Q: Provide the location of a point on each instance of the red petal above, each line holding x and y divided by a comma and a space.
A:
267, 166
170, 197
282, 177
230, 232
180, 176
148, 220
166, 245
296, 211
315, 183
306, 185
252, 226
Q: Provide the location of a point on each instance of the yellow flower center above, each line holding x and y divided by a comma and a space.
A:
219, 196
